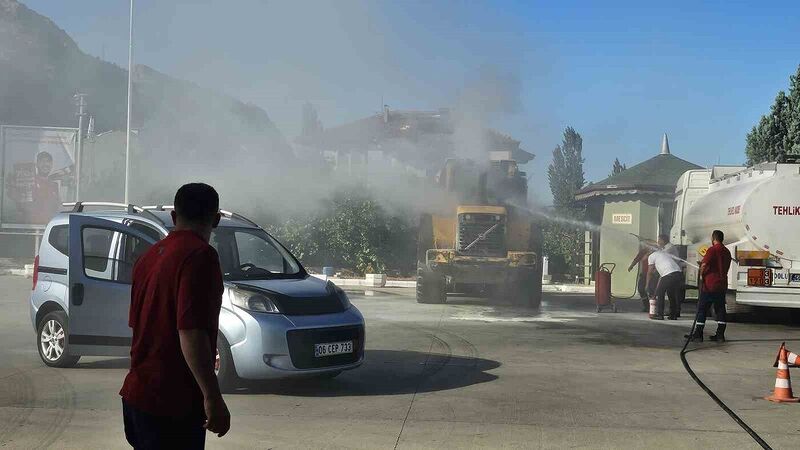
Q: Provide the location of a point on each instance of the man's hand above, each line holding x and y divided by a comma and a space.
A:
199, 355
218, 419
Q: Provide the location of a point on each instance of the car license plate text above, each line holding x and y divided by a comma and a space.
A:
333, 348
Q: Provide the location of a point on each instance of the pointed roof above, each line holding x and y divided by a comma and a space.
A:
657, 175
665, 145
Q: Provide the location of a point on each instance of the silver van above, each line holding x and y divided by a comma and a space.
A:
276, 319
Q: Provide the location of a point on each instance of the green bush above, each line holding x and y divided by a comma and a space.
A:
351, 231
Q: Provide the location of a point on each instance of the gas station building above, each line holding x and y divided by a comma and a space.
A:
635, 202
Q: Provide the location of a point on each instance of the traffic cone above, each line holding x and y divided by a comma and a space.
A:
792, 359
783, 382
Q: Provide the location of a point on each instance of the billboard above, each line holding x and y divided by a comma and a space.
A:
38, 174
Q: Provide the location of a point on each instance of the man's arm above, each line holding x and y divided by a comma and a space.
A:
651, 273
198, 312
636, 260
705, 261
199, 355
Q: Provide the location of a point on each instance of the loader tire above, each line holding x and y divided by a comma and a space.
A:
424, 236
430, 288
527, 291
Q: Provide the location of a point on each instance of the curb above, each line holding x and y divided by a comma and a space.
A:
363, 282
360, 282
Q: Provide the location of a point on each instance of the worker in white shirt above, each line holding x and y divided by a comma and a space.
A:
669, 284
666, 245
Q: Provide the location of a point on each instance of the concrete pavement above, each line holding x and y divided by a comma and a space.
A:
461, 375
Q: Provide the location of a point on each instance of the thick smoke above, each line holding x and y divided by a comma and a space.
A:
186, 132
491, 95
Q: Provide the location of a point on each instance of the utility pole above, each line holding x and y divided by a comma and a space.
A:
128, 128
80, 101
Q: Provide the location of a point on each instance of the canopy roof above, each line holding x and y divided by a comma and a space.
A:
657, 175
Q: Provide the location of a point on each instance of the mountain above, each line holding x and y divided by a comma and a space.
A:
41, 68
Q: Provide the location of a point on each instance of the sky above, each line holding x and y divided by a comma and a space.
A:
621, 73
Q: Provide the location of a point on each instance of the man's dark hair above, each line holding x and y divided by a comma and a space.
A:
718, 236
44, 155
196, 203
663, 237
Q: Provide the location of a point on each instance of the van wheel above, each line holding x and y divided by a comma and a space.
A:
224, 367
51, 338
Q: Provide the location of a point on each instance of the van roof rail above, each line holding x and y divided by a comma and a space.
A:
78, 207
233, 215
158, 207
225, 213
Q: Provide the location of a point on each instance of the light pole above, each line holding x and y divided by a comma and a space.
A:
80, 101
128, 129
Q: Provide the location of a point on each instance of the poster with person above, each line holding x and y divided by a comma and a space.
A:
38, 173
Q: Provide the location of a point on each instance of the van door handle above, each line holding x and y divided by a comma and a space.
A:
77, 293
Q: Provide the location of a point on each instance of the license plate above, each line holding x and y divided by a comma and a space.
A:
333, 348
759, 277
796, 278
780, 277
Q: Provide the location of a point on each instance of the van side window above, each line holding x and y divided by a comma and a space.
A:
110, 255
59, 238
147, 231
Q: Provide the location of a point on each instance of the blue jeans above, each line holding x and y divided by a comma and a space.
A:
707, 300
145, 431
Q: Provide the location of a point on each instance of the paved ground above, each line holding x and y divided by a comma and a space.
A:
460, 375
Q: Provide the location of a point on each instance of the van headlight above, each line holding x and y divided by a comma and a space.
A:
252, 301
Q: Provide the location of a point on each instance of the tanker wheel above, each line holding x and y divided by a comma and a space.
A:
430, 288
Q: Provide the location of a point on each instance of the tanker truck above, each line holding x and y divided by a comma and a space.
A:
758, 209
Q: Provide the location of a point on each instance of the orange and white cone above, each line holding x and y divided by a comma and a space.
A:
783, 382
792, 359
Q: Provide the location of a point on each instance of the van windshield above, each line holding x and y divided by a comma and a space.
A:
252, 254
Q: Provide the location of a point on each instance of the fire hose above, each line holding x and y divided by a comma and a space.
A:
713, 396
635, 286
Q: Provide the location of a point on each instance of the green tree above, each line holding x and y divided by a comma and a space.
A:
794, 112
562, 241
617, 168
777, 134
565, 173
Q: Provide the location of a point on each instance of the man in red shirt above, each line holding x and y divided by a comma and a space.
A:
714, 273
171, 396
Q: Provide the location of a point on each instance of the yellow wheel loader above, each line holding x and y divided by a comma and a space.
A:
485, 242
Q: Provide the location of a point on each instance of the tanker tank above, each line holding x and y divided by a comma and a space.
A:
757, 208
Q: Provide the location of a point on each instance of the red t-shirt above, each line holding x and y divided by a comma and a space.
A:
177, 285
717, 261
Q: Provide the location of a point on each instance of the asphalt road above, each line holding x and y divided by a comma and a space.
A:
461, 375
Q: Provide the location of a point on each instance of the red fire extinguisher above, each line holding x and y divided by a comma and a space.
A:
602, 287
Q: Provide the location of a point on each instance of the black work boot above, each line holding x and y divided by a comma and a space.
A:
645, 305
698, 334
720, 336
